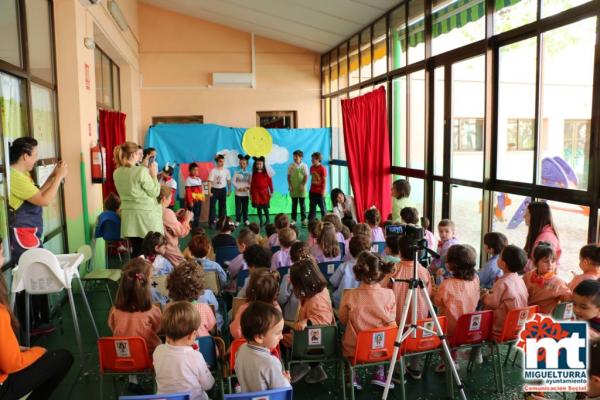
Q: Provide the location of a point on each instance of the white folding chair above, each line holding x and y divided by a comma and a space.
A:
39, 271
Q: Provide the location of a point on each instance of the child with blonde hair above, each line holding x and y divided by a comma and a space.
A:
178, 366
327, 247
546, 289
281, 258
368, 306
186, 283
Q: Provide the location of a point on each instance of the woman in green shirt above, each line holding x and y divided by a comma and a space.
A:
138, 189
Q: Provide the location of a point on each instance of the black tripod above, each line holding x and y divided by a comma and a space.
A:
411, 299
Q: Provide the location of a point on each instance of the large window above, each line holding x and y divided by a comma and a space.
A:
484, 117
28, 103
108, 92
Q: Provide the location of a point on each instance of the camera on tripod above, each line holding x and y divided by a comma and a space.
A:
414, 236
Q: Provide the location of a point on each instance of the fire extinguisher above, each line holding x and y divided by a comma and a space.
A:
98, 157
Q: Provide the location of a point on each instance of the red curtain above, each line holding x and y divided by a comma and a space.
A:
112, 133
368, 151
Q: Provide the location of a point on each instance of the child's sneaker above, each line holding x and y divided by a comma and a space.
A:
356, 384
236, 224
246, 222
413, 373
316, 375
237, 388
379, 378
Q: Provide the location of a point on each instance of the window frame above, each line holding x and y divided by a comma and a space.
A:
111, 68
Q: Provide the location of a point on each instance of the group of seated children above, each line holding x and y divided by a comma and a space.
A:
290, 285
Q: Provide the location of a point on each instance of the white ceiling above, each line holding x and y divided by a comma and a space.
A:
317, 25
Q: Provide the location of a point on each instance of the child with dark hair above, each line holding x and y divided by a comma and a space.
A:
194, 193
343, 278
178, 366
431, 240
318, 186
458, 294
368, 306
589, 262
409, 215
262, 286
108, 225
286, 298
400, 198
310, 287
241, 184
281, 221
166, 179
314, 229
260, 239
261, 189
586, 305
509, 290
399, 248
200, 247
546, 289
154, 248
281, 258
255, 256
186, 283
219, 184
226, 226
255, 367
373, 219
270, 230
493, 244
133, 313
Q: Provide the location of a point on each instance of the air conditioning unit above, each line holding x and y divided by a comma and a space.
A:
234, 79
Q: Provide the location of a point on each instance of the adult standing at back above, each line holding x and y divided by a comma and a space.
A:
138, 189
26, 223
538, 217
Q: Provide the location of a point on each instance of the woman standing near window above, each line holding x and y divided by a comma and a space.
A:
538, 217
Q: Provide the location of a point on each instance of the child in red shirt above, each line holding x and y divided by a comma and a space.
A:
261, 188
318, 183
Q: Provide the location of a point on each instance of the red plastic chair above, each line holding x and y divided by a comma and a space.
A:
123, 355
514, 322
472, 331
373, 347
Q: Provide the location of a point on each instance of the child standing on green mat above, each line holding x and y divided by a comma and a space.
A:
297, 178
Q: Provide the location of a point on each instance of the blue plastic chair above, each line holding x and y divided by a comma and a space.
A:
342, 250
171, 396
378, 247
241, 278
328, 268
273, 394
108, 226
207, 345
224, 254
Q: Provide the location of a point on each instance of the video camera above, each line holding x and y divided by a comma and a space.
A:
413, 233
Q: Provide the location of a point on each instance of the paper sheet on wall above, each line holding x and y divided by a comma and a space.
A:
43, 173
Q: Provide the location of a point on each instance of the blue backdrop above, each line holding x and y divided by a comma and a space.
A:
184, 143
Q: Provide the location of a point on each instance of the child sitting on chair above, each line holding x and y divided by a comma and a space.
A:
133, 313
368, 306
255, 256
154, 248
545, 288
509, 291
343, 278
493, 244
255, 367
186, 283
458, 294
373, 219
586, 305
281, 258
199, 247
263, 286
178, 366
281, 221
438, 268
286, 298
589, 262
327, 247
